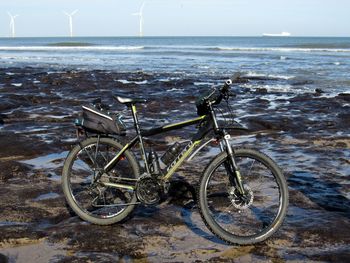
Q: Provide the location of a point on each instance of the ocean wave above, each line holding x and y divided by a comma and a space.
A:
175, 89
279, 88
124, 81
69, 48
168, 79
81, 46
71, 44
321, 45
279, 49
203, 83
268, 76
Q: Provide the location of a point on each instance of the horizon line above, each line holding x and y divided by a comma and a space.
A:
184, 36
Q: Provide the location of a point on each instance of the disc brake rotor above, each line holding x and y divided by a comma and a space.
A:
240, 201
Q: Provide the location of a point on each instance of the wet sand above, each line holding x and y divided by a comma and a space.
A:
307, 134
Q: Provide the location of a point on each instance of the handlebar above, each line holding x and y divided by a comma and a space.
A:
215, 95
234, 78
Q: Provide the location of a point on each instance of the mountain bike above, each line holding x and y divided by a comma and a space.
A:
242, 194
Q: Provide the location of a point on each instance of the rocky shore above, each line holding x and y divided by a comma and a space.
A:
308, 134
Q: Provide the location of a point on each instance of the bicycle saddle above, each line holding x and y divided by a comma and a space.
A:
125, 100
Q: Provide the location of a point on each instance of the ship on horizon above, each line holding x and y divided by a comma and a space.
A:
283, 34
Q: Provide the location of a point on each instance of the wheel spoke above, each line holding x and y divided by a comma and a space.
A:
92, 198
243, 216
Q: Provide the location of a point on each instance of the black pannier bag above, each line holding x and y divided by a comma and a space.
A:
97, 121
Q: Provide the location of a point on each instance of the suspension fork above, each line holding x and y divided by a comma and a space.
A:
230, 165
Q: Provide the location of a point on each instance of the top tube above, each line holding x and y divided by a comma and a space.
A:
173, 126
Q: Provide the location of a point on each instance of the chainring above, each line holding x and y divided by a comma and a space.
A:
149, 190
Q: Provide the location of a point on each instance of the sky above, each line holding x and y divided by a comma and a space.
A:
45, 18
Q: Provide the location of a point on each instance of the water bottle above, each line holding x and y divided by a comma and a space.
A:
153, 162
170, 155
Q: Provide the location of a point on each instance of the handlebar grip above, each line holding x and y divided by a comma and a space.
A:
228, 82
226, 86
235, 77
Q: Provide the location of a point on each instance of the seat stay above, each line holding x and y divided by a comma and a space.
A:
109, 166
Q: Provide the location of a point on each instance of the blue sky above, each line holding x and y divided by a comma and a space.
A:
178, 17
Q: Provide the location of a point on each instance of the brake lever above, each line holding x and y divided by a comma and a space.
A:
228, 94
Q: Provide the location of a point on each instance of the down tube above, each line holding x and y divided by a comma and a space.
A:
179, 160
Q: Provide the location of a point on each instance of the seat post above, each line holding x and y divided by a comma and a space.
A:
134, 116
138, 131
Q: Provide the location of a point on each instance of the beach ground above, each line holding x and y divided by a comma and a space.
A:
307, 135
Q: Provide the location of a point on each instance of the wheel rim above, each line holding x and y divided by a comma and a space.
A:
250, 216
95, 199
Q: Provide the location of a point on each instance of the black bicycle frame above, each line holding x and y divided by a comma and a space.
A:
207, 123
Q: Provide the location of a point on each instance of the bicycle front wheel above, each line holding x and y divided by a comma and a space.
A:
249, 218
83, 177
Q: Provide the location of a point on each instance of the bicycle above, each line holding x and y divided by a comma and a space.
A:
242, 194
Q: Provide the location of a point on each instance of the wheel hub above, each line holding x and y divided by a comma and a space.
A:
240, 201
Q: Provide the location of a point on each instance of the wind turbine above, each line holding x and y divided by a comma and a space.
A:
140, 15
12, 23
70, 16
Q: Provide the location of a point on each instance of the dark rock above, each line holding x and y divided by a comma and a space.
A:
241, 79
344, 96
341, 145
300, 82
302, 98
318, 92
46, 80
16, 146
10, 104
258, 78
3, 259
261, 91
343, 120
10, 169
57, 82
301, 133
277, 124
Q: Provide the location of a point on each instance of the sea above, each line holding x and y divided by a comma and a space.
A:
310, 62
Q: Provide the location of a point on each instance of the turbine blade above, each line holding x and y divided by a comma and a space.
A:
135, 14
74, 12
64, 12
143, 5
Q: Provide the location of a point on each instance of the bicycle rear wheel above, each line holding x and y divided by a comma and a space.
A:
90, 198
243, 219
